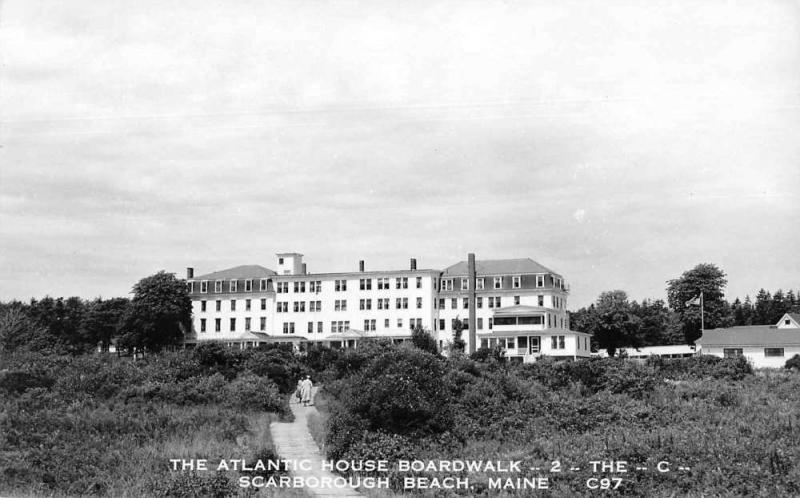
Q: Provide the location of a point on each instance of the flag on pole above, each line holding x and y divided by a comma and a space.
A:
693, 302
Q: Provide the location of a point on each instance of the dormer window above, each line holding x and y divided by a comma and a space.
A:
248, 285
190, 287
262, 286
479, 283
204, 287
498, 282
539, 280
218, 286
447, 284
516, 282
234, 285
464, 284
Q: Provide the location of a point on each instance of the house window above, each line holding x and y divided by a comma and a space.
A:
319, 327
190, 287
441, 303
263, 304
204, 287
202, 325
383, 283
464, 284
202, 306
247, 324
365, 283
498, 282
419, 282
340, 285
248, 285
557, 342
369, 325
516, 282
247, 304
233, 304
217, 324
447, 284
263, 324
516, 300
386, 323
262, 284
234, 285
773, 352
340, 305
466, 303
419, 303
453, 303
539, 280
497, 303
280, 261
491, 322
479, 283
219, 305
218, 286
310, 327
479, 302
405, 303
787, 322
399, 323
540, 300
233, 324
480, 323
441, 324
401, 283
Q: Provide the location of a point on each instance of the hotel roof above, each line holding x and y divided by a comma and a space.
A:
499, 267
237, 273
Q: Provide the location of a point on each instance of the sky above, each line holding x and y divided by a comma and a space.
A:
619, 143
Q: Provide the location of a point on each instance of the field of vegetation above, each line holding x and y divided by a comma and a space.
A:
102, 425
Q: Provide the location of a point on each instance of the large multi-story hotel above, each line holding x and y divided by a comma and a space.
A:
516, 304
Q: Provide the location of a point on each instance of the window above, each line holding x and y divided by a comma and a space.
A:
247, 304
540, 301
466, 303
247, 324
787, 322
315, 306
263, 324
441, 324
202, 325
263, 304
419, 282
233, 304
479, 302
340, 305
401, 282
383, 283
539, 280
386, 323
516, 300
773, 352
202, 306
219, 305
299, 306
365, 284
497, 303
283, 307
288, 328
365, 304
204, 287
399, 323
419, 303
233, 324
248, 285
464, 284
491, 322
557, 342
447, 284
498, 282
340, 285
310, 327
369, 325
516, 282
190, 287
405, 303
441, 303
319, 327
234, 285
218, 286
453, 303
283, 287
262, 284
480, 323
217, 324
479, 283
280, 261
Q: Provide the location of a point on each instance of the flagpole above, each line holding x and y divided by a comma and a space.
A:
702, 322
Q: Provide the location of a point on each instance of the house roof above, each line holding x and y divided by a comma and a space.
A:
499, 267
238, 272
795, 317
753, 335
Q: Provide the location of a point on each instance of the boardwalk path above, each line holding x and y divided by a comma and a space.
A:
293, 442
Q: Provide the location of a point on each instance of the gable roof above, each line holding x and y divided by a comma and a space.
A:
752, 335
795, 317
499, 267
238, 273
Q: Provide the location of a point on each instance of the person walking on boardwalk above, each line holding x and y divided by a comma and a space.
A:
298, 392
305, 390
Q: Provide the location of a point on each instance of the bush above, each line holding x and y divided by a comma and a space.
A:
701, 367
596, 374
793, 363
17, 381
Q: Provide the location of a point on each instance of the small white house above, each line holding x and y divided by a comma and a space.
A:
766, 346
672, 351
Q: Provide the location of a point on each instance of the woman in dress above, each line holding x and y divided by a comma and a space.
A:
305, 390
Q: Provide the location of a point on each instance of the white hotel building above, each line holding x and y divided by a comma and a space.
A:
516, 304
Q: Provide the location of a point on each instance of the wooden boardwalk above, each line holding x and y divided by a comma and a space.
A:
293, 441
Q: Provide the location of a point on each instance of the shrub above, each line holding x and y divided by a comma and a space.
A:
17, 381
793, 363
701, 367
251, 392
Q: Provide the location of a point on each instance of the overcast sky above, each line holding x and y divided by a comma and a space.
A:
619, 143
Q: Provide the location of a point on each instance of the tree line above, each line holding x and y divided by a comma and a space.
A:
158, 315
616, 322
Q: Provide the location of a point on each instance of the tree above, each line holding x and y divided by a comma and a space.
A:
709, 280
159, 314
616, 325
423, 340
102, 321
18, 332
459, 345
654, 318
